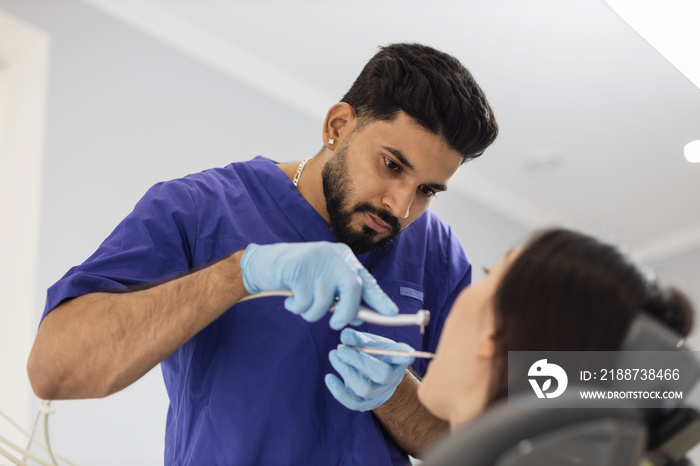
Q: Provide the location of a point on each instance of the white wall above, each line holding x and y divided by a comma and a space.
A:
24, 51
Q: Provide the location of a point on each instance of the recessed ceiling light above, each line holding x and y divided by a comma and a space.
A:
692, 151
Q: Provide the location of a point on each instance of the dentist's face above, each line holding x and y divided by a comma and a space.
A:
455, 387
382, 177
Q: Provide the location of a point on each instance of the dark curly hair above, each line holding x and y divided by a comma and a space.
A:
432, 87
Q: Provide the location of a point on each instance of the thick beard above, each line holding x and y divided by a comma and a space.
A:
336, 189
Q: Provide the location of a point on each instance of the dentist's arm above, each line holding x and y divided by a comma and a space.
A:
99, 343
408, 422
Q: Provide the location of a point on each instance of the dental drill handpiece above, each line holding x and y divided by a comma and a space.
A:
420, 318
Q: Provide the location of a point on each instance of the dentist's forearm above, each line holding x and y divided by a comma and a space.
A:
99, 343
409, 423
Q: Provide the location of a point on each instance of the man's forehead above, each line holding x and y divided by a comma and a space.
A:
403, 124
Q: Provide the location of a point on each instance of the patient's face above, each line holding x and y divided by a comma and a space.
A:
456, 384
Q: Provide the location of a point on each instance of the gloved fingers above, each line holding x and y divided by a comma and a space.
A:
349, 289
354, 337
323, 298
374, 296
371, 366
345, 396
310, 305
400, 361
300, 301
354, 379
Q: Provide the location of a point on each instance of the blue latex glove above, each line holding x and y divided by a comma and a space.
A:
316, 273
370, 379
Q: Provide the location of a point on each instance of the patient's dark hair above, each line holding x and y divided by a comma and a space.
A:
432, 87
567, 291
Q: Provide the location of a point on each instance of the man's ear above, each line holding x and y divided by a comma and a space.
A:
339, 123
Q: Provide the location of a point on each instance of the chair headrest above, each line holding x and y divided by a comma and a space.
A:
661, 348
647, 333
482, 441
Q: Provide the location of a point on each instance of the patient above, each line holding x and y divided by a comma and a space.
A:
562, 291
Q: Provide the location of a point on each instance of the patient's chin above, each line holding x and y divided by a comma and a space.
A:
430, 399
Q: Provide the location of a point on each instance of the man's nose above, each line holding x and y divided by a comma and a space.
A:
399, 198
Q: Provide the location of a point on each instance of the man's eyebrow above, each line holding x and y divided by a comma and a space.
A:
404, 161
437, 187
399, 155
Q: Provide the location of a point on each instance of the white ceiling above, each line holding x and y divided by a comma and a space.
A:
593, 120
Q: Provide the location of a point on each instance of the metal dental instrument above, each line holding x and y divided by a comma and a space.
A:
390, 352
420, 318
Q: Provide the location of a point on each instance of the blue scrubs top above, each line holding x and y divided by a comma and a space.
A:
248, 389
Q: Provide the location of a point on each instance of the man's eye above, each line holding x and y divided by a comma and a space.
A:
391, 165
426, 190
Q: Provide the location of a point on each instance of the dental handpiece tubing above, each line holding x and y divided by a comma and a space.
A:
420, 318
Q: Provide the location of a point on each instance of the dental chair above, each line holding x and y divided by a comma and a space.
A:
514, 433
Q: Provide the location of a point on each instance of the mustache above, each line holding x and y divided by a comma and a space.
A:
389, 219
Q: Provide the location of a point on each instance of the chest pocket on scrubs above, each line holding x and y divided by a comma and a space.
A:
409, 298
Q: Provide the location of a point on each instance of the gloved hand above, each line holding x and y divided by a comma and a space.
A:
316, 273
370, 379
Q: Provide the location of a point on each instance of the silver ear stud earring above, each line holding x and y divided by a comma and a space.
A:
331, 141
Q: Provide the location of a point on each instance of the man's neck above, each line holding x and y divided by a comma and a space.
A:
310, 184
